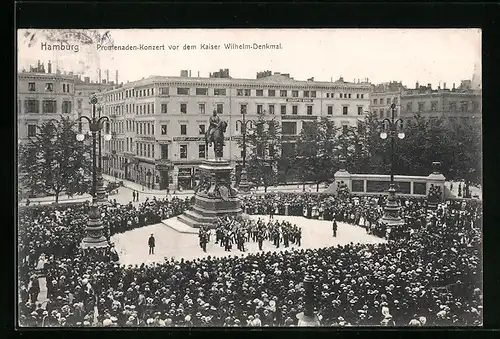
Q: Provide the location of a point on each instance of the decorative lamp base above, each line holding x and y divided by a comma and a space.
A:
391, 210
94, 230
90, 242
244, 186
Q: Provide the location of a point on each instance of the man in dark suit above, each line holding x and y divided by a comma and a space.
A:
260, 238
151, 243
334, 227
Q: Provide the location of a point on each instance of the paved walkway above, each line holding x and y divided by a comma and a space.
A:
475, 191
132, 246
62, 199
143, 189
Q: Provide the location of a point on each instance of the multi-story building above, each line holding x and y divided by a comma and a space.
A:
455, 105
159, 122
383, 96
43, 95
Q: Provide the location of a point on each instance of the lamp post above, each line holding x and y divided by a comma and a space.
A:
94, 229
101, 191
391, 210
244, 185
308, 318
148, 174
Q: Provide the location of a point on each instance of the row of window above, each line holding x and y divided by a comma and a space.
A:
118, 145
220, 92
452, 106
145, 150
49, 87
388, 101
346, 95
183, 109
48, 106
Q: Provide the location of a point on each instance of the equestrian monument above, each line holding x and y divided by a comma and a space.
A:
214, 196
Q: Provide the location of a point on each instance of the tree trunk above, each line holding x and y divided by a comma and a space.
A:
265, 189
303, 186
317, 187
57, 197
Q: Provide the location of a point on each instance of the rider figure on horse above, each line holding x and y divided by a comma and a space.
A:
214, 123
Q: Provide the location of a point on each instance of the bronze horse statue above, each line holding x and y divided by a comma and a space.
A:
216, 138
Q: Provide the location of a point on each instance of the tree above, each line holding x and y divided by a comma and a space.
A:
53, 162
315, 151
263, 151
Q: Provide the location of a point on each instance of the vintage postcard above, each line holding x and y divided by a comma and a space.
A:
249, 177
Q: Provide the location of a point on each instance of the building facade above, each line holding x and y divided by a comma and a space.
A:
159, 122
383, 96
456, 105
44, 95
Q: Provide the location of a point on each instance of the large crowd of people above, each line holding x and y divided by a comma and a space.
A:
430, 277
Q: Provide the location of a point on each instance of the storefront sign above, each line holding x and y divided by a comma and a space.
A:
298, 100
184, 172
189, 138
299, 117
147, 138
194, 138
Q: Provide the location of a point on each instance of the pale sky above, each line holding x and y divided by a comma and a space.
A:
424, 55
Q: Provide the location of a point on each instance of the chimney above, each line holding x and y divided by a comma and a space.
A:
444, 85
184, 73
116, 77
190, 73
416, 85
49, 67
99, 75
107, 75
198, 74
453, 85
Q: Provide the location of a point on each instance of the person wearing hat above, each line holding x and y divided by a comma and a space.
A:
151, 243
34, 289
334, 228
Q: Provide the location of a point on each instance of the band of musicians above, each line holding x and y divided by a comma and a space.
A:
238, 231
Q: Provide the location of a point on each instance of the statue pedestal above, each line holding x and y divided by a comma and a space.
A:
214, 197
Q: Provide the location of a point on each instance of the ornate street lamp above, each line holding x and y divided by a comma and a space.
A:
94, 229
393, 128
148, 174
244, 185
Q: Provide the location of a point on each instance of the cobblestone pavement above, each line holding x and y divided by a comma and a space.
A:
132, 246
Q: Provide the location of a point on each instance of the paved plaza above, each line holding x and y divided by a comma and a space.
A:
132, 246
